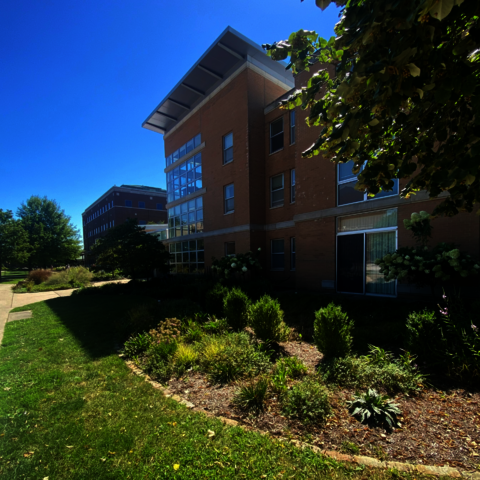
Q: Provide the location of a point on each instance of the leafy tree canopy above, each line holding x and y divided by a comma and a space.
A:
128, 247
13, 239
405, 101
51, 236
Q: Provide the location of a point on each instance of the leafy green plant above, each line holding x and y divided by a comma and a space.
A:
75, 276
373, 371
294, 367
137, 344
216, 326
266, 319
372, 408
235, 306
252, 396
214, 299
308, 401
184, 358
278, 378
350, 447
333, 332
193, 334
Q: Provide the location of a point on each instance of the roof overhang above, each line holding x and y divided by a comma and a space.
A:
227, 53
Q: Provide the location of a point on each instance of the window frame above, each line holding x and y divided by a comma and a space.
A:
224, 150
271, 190
225, 212
280, 119
126, 203
292, 127
140, 204
282, 269
293, 184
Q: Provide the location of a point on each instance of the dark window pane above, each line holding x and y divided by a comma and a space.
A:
345, 171
276, 127
348, 194
229, 248
385, 193
276, 143
350, 272
229, 205
277, 198
228, 155
277, 246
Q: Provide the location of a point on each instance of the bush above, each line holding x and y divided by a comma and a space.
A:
228, 357
214, 300
266, 319
75, 276
136, 345
39, 276
373, 409
185, 357
333, 332
294, 367
168, 331
252, 396
423, 337
235, 307
369, 371
308, 401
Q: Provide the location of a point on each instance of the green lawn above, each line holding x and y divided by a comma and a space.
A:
12, 277
70, 408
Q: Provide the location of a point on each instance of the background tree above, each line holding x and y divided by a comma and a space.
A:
405, 101
51, 236
128, 247
13, 240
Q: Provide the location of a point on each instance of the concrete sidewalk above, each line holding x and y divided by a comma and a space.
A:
10, 300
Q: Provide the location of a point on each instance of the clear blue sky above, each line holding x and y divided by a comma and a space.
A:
78, 77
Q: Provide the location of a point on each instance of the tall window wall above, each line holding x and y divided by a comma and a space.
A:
185, 179
187, 257
183, 150
186, 218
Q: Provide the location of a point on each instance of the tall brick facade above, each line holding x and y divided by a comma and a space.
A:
242, 99
146, 204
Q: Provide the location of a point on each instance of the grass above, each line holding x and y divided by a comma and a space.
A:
70, 409
12, 277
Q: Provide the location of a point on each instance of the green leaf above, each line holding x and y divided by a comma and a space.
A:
323, 4
442, 8
414, 70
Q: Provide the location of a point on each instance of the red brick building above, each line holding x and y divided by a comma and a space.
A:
236, 181
146, 204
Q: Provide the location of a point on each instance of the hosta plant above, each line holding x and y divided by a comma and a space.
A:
372, 408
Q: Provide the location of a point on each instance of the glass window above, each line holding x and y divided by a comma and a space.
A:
347, 180
228, 148
128, 203
276, 191
229, 197
292, 254
276, 135
368, 221
159, 206
229, 248
278, 254
292, 127
141, 204
183, 150
142, 222
292, 186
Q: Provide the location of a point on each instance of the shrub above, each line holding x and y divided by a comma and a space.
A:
216, 326
294, 367
39, 276
192, 332
75, 276
369, 372
252, 396
373, 409
214, 299
278, 379
185, 357
266, 319
237, 266
308, 401
231, 356
168, 331
333, 332
137, 345
422, 335
235, 306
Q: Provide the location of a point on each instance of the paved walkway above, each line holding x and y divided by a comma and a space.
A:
10, 300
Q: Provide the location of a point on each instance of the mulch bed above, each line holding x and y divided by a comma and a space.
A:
438, 428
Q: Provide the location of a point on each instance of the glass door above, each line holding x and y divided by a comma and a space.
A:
350, 262
377, 246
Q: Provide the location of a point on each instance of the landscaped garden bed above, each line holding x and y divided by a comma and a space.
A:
247, 364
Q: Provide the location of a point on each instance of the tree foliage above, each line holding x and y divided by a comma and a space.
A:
405, 100
13, 239
50, 235
128, 247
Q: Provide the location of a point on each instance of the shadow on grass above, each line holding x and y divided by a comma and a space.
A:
98, 322
12, 277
